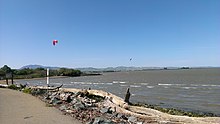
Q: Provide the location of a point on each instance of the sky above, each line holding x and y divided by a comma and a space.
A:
107, 33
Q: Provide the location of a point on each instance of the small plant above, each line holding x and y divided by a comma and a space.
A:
14, 87
27, 90
49, 105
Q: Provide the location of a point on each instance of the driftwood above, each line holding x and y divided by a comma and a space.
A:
127, 96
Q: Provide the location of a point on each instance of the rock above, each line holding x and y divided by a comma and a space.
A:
79, 106
69, 111
54, 94
100, 120
62, 96
74, 101
88, 104
63, 107
66, 97
55, 101
132, 119
105, 110
119, 115
112, 109
93, 101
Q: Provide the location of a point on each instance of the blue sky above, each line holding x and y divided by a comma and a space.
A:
103, 33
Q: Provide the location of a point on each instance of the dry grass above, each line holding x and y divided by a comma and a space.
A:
2, 82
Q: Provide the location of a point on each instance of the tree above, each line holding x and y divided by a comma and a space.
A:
6, 69
69, 72
2, 74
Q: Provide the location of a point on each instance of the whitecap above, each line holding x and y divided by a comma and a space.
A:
135, 86
189, 88
144, 83
165, 84
170, 84
115, 82
210, 85
108, 83
122, 82
150, 86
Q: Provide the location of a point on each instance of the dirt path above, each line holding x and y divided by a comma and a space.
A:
20, 108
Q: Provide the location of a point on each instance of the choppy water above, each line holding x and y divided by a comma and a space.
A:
193, 89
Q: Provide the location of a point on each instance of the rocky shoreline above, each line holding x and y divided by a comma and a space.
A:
99, 107
86, 107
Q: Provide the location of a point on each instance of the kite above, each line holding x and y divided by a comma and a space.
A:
55, 42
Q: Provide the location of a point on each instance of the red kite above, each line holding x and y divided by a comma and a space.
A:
55, 42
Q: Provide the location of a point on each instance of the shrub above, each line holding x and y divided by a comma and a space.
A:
14, 87
27, 90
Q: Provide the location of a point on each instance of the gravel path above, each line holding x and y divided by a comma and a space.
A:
20, 108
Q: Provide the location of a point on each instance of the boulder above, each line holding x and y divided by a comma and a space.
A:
55, 101
100, 120
63, 107
119, 115
66, 97
105, 110
79, 106
132, 119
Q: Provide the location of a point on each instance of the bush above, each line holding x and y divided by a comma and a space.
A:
14, 87
27, 90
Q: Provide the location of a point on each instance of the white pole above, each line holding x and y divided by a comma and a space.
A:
48, 76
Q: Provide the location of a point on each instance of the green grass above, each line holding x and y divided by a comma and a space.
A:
27, 90
13, 87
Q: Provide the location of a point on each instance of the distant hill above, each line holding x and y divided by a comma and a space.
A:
39, 66
110, 69
91, 69
115, 69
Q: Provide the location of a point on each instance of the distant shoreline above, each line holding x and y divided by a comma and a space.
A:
52, 77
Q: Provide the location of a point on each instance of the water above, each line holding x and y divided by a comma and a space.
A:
192, 89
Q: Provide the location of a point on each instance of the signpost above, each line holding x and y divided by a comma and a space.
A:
48, 76
8, 76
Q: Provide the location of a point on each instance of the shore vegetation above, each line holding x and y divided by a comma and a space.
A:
28, 73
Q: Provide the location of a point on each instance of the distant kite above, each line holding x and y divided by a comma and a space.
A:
130, 59
55, 42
